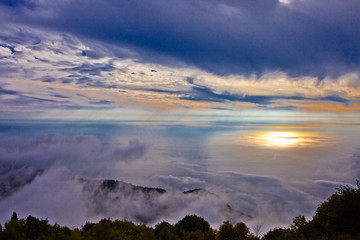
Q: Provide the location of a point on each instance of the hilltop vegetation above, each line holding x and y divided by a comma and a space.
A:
338, 218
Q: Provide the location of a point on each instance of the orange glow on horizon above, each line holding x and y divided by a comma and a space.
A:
285, 139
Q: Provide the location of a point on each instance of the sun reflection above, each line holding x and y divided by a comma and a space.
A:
284, 139
281, 139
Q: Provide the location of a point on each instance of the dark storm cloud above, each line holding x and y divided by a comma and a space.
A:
252, 36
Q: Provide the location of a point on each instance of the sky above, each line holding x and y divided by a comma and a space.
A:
190, 91
71, 59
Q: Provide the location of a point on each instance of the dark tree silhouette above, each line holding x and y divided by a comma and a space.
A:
191, 223
340, 214
226, 231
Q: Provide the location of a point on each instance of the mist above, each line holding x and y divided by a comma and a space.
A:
149, 174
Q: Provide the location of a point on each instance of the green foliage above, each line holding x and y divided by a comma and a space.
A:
238, 232
340, 214
277, 234
338, 218
241, 231
14, 216
191, 223
14, 229
1, 232
166, 234
35, 228
225, 231
165, 231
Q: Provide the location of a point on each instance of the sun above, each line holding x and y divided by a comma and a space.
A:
283, 139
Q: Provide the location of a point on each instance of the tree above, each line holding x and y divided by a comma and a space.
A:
191, 223
277, 234
298, 223
14, 216
164, 231
166, 234
210, 235
241, 231
34, 228
142, 232
14, 229
1, 232
339, 215
198, 235
226, 231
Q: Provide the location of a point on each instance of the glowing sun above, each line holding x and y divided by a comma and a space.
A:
283, 139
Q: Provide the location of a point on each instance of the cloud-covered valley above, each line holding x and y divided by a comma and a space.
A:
74, 178
122, 108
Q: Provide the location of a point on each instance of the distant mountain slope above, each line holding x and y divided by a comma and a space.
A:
14, 177
95, 199
149, 205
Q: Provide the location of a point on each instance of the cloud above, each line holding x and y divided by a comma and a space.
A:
151, 206
179, 183
101, 102
5, 51
54, 195
45, 150
134, 150
4, 91
229, 37
59, 176
115, 76
14, 177
201, 93
65, 199
91, 69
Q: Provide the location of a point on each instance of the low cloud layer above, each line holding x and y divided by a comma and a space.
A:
60, 176
42, 151
81, 200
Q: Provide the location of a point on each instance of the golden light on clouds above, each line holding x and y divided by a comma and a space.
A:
285, 139
111, 82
